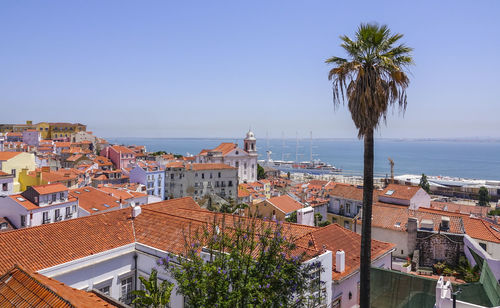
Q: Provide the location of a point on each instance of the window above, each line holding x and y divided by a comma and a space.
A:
210, 174
483, 245
68, 212
203, 175
54, 197
334, 220
13, 172
3, 226
23, 220
219, 174
104, 290
74, 209
126, 289
346, 224
172, 176
230, 183
61, 196
336, 303
57, 215
46, 218
5, 186
237, 164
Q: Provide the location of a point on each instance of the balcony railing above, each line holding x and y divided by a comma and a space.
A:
58, 218
46, 221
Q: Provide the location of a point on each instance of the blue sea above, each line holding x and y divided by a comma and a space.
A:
471, 159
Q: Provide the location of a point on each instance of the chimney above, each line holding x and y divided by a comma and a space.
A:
136, 210
445, 223
411, 229
340, 261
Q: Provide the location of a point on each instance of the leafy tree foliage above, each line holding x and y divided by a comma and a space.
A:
261, 174
292, 218
250, 263
425, 184
484, 196
154, 295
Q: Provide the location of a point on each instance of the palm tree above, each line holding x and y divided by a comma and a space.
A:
154, 295
370, 79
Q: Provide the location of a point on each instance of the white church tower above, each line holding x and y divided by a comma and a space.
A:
250, 143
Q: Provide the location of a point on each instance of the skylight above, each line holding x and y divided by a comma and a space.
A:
21, 199
76, 191
106, 205
398, 225
389, 192
94, 209
85, 189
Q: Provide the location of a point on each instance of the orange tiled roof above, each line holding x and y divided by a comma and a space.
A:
4, 173
94, 200
21, 289
49, 188
460, 208
8, 155
395, 218
402, 192
224, 148
333, 237
122, 149
285, 203
24, 202
160, 225
197, 167
481, 229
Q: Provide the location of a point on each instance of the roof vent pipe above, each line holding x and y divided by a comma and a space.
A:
340, 261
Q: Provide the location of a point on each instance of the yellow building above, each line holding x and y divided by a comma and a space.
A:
14, 162
48, 130
43, 128
45, 176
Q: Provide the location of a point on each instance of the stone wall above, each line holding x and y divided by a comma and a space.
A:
439, 247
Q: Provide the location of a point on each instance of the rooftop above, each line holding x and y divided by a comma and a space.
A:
285, 203
18, 288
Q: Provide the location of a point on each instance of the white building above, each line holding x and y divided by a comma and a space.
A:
199, 180
245, 160
31, 137
108, 252
150, 174
39, 205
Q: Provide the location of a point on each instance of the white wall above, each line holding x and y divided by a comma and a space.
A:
399, 238
350, 284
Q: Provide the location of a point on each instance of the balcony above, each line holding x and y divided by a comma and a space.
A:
69, 216
46, 221
58, 218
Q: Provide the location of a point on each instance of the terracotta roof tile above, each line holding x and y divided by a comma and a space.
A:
49, 188
21, 289
401, 192
8, 155
285, 203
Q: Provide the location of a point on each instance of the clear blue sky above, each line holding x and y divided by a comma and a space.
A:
214, 68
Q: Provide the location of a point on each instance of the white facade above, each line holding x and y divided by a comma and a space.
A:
192, 181
22, 217
245, 160
31, 137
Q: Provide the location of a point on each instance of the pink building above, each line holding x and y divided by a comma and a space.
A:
122, 157
31, 137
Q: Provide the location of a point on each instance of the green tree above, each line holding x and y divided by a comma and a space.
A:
261, 174
154, 295
370, 79
425, 184
248, 263
484, 196
292, 217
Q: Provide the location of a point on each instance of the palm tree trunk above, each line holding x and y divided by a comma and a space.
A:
366, 230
